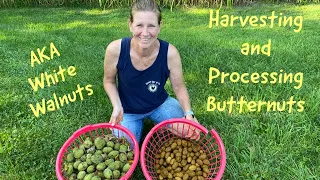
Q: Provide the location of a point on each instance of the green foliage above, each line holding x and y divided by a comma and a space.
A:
126, 3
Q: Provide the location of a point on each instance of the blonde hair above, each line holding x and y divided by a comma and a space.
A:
145, 5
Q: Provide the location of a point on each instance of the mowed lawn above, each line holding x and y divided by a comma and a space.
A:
262, 144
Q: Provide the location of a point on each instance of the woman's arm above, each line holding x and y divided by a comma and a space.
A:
180, 90
109, 80
176, 78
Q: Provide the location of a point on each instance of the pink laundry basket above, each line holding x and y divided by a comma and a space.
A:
210, 143
94, 131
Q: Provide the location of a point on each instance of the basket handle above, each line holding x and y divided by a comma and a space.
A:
222, 150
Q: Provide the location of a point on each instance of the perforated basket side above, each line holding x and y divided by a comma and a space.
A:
218, 157
210, 143
159, 135
153, 146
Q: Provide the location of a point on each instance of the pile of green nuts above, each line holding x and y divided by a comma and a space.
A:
107, 157
180, 159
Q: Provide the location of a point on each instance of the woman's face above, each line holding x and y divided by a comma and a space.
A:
145, 28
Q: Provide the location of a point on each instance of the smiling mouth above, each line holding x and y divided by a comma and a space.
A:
144, 40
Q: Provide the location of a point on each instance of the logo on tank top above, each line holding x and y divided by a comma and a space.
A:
152, 86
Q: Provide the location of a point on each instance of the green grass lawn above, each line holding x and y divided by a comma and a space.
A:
259, 145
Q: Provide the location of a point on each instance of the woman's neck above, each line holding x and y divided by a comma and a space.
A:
143, 52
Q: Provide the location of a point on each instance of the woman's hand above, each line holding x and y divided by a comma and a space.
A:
116, 116
186, 131
193, 133
191, 117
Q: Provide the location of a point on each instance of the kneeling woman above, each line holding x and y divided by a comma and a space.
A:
142, 64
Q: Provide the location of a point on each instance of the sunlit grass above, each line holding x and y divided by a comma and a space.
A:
96, 11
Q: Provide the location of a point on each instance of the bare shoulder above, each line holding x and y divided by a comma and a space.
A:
113, 50
173, 57
114, 45
173, 52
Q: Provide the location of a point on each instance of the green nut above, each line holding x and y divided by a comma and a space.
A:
114, 165
116, 146
91, 169
108, 161
121, 165
77, 152
95, 178
70, 157
81, 175
126, 167
76, 164
101, 166
130, 155
89, 155
83, 158
73, 176
110, 144
113, 154
116, 174
81, 146
96, 159
107, 173
91, 150
69, 170
100, 174
88, 177
123, 148
107, 149
99, 142
83, 166
104, 156
123, 157
87, 142
99, 152
88, 159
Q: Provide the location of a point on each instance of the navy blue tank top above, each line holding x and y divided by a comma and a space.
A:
142, 91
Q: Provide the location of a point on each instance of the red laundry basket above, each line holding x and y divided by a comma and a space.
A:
94, 131
210, 143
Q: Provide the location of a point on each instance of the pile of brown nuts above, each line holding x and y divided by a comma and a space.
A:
180, 159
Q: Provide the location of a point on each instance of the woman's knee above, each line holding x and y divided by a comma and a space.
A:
135, 127
171, 108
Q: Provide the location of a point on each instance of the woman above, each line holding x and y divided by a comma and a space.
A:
142, 64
